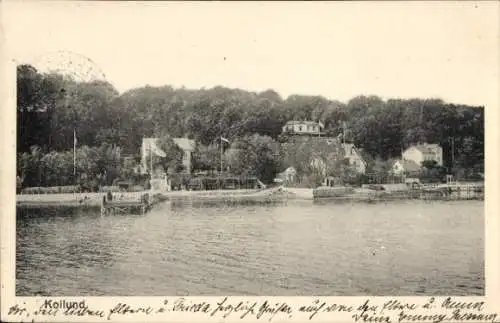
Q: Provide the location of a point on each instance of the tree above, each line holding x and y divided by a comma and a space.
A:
50, 107
314, 158
254, 155
206, 158
431, 171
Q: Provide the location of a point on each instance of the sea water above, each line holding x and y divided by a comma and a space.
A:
397, 248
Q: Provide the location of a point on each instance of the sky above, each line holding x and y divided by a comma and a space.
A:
339, 50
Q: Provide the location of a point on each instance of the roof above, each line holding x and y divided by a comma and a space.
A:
348, 148
183, 143
294, 122
408, 165
149, 141
426, 148
290, 170
347, 151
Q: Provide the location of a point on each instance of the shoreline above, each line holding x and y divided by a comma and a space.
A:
68, 199
94, 200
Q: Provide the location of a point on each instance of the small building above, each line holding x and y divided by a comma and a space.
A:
187, 146
149, 147
422, 152
354, 157
287, 176
405, 167
303, 128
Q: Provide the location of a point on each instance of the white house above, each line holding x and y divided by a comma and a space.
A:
354, 156
419, 153
149, 148
303, 127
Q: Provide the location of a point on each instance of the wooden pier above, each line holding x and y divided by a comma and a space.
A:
117, 204
444, 192
452, 191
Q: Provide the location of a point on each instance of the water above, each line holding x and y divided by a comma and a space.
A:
398, 248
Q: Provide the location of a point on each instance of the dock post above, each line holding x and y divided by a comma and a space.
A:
103, 206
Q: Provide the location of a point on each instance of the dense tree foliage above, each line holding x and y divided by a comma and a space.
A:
51, 107
254, 155
94, 166
206, 158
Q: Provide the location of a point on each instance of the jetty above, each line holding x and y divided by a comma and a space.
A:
388, 192
126, 204
108, 203
452, 191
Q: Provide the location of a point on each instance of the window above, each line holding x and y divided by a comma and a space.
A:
300, 128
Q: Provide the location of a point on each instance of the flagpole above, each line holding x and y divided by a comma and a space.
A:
74, 159
151, 160
74, 153
343, 132
219, 184
222, 139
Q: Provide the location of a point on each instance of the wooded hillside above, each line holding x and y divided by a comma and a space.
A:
51, 107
